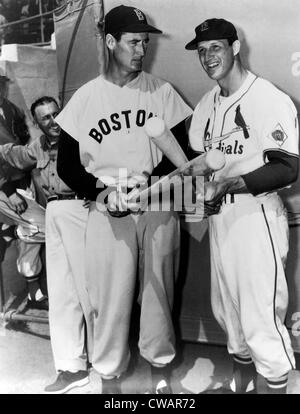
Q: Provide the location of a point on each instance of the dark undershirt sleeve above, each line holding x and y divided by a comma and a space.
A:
279, 172
72, 172
9, 188
191, 154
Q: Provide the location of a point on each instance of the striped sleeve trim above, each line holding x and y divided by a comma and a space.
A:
242, 359
278, 382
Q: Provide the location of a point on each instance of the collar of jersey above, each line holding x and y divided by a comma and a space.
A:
232, 98
47, 145
127, 85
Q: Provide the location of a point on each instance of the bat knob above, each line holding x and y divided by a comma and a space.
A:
215, 159
154, 127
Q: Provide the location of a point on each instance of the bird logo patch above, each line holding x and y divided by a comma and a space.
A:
278, 135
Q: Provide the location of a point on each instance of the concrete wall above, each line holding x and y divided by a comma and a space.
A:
33, 73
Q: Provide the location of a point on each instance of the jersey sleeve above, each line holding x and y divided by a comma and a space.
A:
19, 156
68, 118
175, 110
280, 129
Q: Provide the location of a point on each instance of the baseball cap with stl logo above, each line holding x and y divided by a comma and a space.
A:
127, 19
213, 29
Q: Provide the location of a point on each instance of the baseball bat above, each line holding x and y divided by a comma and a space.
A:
164, 139
204, 164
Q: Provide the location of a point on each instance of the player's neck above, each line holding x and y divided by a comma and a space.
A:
118, 77
52, 141
233, 81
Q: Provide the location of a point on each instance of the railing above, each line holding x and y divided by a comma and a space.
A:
35, 30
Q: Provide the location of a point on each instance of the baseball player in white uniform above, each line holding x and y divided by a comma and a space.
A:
103, 123
256, 127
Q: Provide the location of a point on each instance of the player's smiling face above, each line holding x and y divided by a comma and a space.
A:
130, 50
216, 57
44, 117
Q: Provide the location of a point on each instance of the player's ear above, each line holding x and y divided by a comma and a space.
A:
35, 123
236, 46
110, 41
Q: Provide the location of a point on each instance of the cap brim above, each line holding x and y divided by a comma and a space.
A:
192, 45
140, 28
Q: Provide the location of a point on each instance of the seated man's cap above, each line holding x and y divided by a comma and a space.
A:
127, 19
213, 29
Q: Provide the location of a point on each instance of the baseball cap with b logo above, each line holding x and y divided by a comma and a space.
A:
127, 19
213, 29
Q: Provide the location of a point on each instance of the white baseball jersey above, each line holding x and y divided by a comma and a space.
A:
255, 119
249, 237
108, 122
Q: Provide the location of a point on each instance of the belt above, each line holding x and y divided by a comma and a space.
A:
241, 198
55, 197
228, 199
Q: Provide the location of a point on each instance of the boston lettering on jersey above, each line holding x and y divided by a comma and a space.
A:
118, 121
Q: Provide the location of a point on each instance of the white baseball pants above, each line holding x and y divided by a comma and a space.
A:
116, 249
249, 246
68, 302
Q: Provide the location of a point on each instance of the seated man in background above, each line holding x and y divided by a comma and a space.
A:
40, 155
14, 130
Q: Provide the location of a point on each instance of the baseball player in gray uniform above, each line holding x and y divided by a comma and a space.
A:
104, 144
256, 127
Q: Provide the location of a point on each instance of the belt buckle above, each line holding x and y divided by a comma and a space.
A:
228, 198
53, 198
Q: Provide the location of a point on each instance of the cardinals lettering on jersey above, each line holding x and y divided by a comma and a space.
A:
235, 148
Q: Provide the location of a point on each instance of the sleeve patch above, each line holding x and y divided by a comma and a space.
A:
278, 135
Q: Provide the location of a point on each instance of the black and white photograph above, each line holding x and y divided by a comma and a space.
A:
149, 199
